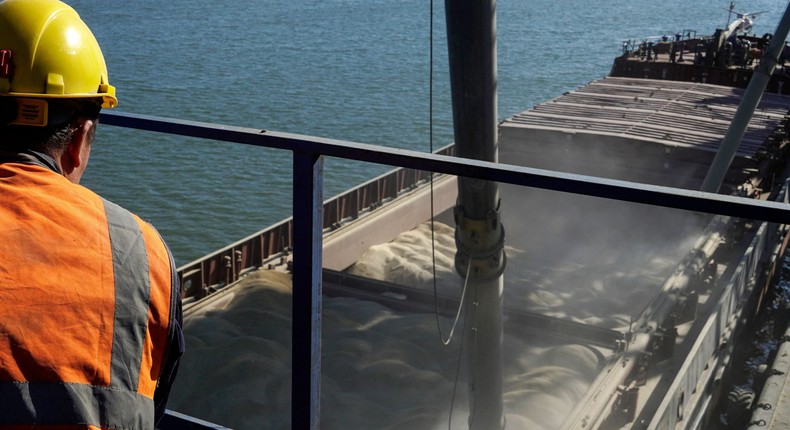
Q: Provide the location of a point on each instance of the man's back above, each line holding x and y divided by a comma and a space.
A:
90, 305
86, 311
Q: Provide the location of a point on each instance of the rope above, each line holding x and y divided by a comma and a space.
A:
446, 341
449, 338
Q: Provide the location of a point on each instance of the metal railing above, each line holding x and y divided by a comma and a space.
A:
308, 215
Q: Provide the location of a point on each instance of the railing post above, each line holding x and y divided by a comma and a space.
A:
306, 308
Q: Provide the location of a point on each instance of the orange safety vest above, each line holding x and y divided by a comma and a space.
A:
88, 297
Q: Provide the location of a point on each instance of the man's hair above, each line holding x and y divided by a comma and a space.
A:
53, 138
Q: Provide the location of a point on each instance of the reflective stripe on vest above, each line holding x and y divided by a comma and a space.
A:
132, 295
63, 403
117, 406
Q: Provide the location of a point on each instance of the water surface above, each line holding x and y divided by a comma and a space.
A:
343, 69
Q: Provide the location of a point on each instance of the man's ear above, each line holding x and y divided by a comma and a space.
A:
75, 158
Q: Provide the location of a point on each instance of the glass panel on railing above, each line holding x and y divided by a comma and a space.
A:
597, 297
201, 195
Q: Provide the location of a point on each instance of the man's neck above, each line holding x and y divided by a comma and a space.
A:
29, 156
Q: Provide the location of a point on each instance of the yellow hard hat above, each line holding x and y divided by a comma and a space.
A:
47, 51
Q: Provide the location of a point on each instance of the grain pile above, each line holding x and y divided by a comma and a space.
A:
381, 369
569, 257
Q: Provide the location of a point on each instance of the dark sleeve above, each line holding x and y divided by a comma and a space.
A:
175, 349
169, 369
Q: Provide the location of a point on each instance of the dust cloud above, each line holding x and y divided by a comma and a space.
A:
588, 260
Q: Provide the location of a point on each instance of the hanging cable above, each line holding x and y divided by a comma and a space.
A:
457, 313
449, 338
430, 148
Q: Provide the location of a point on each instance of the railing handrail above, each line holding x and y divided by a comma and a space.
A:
633, 192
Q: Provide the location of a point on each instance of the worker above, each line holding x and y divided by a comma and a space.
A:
90, 306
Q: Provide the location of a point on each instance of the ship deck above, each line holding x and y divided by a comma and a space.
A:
655, 127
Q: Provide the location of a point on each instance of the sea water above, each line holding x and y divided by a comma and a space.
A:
358, 70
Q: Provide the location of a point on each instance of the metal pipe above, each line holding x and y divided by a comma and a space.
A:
471, 40
484, 335
754, 92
